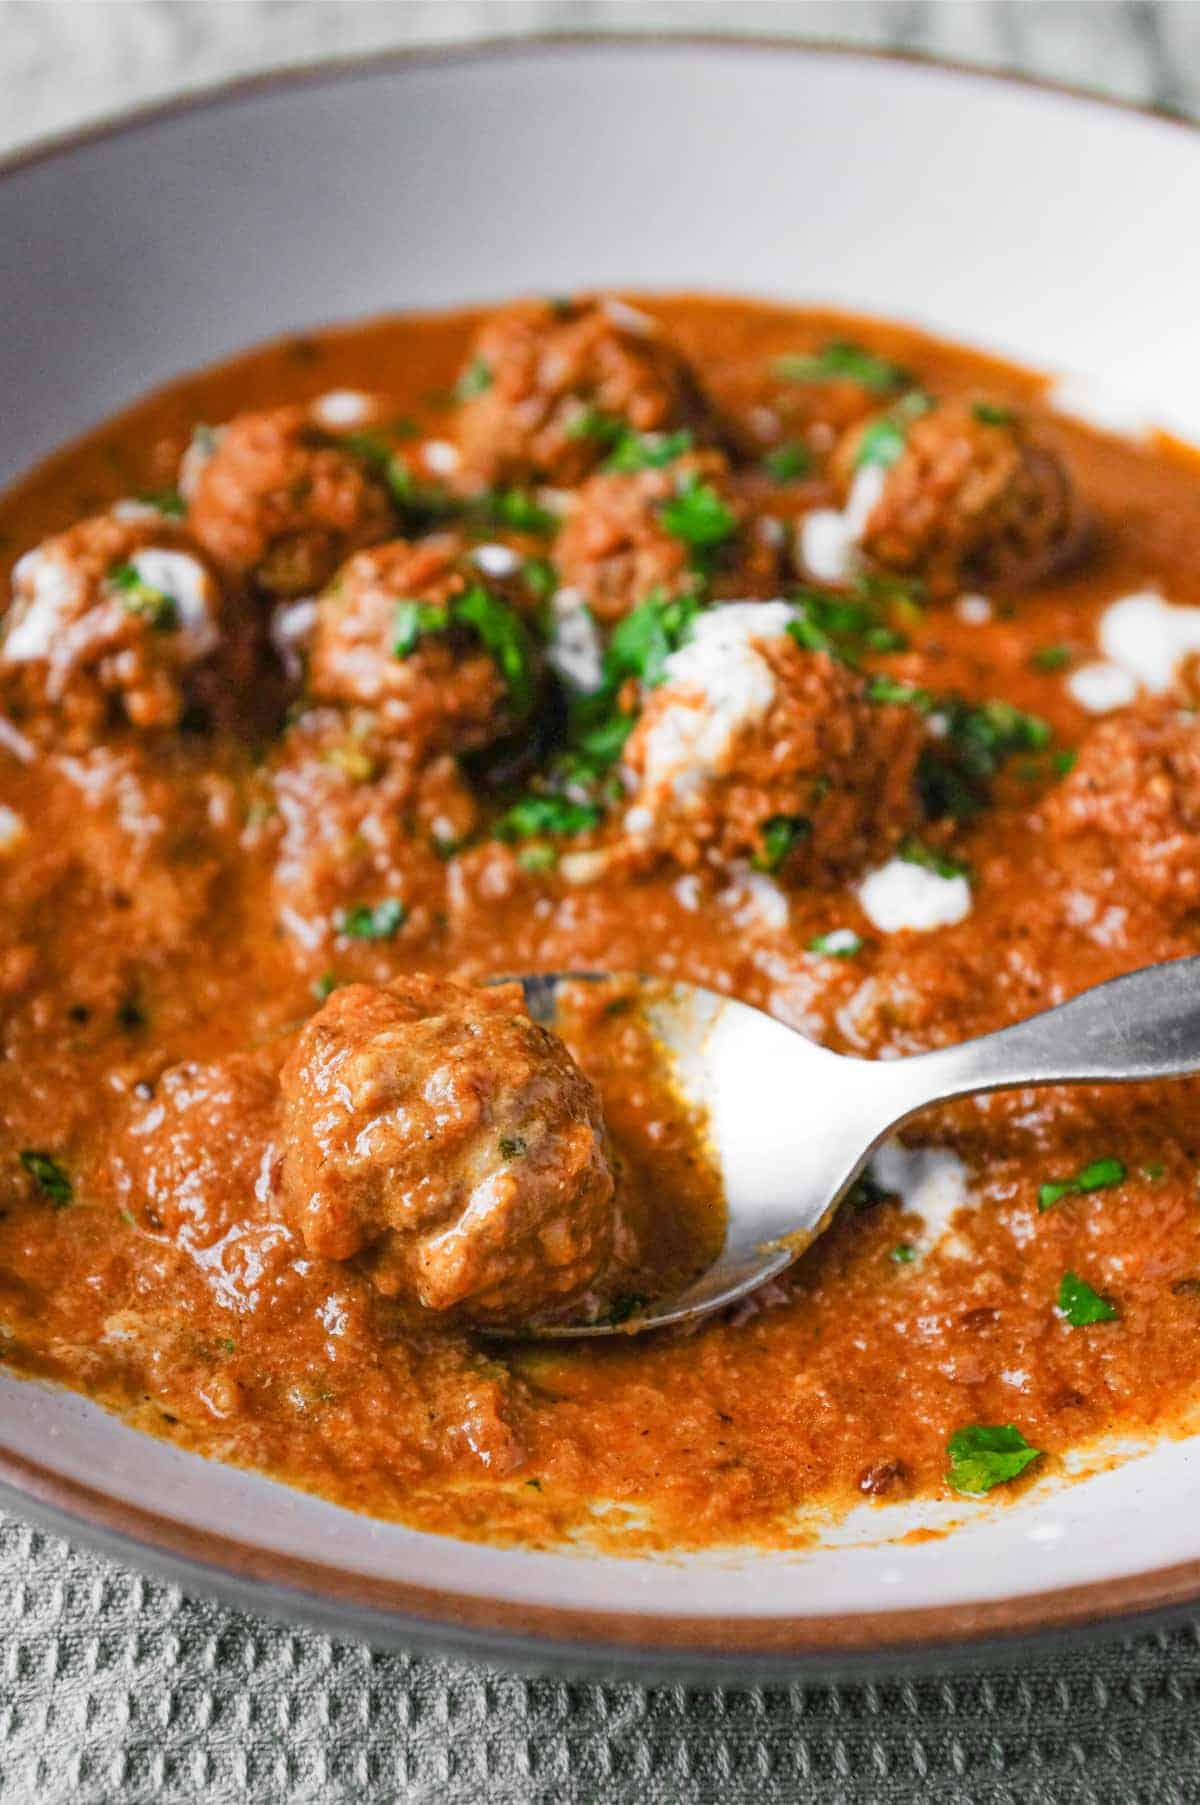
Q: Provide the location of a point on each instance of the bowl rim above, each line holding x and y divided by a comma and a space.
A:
474, 1625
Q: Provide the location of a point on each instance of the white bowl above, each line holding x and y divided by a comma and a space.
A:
1022, 219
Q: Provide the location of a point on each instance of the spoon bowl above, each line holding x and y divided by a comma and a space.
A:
792, 1125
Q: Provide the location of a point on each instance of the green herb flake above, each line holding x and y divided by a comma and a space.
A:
537, 857
533, 815
696, 515
903, 1254
1051, 658
512, 1146
1097, 1177
915, 852
591, 423
786, 462
50, 1178
1080, 1305
155, 606
373, 921
883, 440
1154, 1171
842, 361
324, 986
411, 621
645, 639
636, 451
505, 638
540, 577
517, 509
779, 833
989, 413
839, 943
987, 1454
882, 688
476, 379
168, 502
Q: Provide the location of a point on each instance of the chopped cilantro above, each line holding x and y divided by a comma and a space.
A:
155, 606
904, 1253
505, 637
540, 576
412, 620
1096, 1177
475, 380
987, 1454
517, 509
373, 921
787, 462
1063, 763
883, 440
697, 515
49, 1176
915, 852
645, 639
989, 413
324, 986
1155, 1170
591, 423
537, 856
954, 774
512, 1146
839, 943
1050, 658
1081, 1305
779, 834
882, 688
164, 501
841, 361
536, 814
636, 451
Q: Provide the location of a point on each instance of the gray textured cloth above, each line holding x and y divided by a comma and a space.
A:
117, 1688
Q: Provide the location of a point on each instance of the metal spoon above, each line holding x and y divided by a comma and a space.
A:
792, 1124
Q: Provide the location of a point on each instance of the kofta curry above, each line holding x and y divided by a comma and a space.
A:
799, 656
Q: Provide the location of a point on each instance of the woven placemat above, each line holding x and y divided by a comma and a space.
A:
118, 1688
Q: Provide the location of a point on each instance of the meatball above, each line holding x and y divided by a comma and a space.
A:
385, 638
453, 1143
969, 496
631, 532
754, 748
1127, 818
112, 623
196, 1156
546, 372
280, 502
360, 824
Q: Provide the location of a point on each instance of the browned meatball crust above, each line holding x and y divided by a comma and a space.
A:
452, 1142
1127, 818
812, 781
617, 545
281, 503
115, 622
547, 370
437, 690
971, 497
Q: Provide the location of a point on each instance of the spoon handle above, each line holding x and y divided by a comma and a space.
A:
1143, 1025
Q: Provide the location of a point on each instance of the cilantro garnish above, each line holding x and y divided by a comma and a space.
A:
779, 833
636, 451
1081, 1305
49, 1176
1050, 658
512, 1146
164, 501
883, 440
697, 515
155, 606
990, 413
372, 921
412, 620
517, 509
904, 1253
841, 361
882, 688
324, 986
645, 639
954, 775
501, 631
537, 857
987, 1454
844, 626
1097, 1177
787, 462
543, 814
540, 577
839, 943
915, 852
475, 379
591, 423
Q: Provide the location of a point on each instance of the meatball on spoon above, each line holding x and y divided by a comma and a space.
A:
792, 1125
